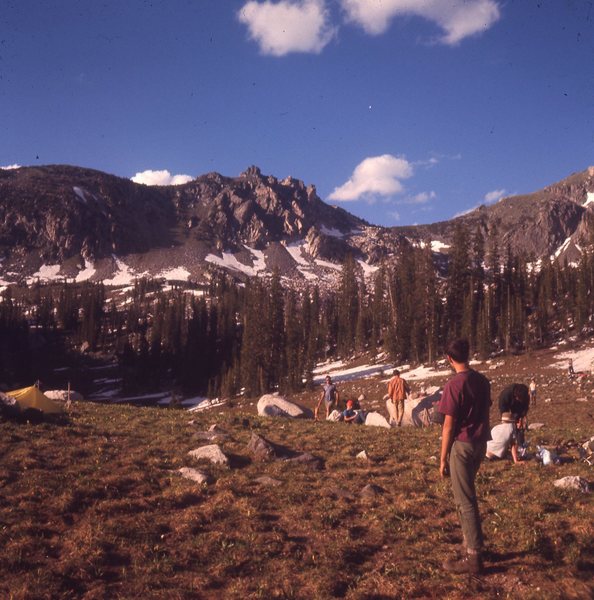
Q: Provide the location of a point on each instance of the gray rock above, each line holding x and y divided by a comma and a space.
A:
362, 455
573, 482
213, 453
535, 425
195, 475
266, 480
314, 462
261, 448
372, 491
273, 405
374, 419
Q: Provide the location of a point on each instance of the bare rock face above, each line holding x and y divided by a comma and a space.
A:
64, 215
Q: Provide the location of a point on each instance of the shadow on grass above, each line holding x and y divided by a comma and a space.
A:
501, 562
238, 461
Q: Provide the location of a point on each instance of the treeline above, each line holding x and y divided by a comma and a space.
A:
262, 336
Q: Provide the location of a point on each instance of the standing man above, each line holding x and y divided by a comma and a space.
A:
532, 388
329, 395
465, 403
398, 390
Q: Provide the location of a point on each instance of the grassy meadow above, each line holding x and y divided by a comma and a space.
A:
94, 507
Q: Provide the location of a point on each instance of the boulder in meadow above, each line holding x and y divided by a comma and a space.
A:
274, 405
213, 453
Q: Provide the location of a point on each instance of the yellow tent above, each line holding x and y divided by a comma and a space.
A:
33, 397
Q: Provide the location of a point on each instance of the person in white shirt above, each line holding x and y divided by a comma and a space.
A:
504, 437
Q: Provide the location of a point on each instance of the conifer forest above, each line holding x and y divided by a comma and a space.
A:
261, 335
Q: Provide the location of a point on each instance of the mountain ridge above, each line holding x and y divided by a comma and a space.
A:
89, 223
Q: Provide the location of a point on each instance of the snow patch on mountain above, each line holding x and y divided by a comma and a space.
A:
589, 198
332, 232
80, 194
124, 275
368, 270
86, 273
260, 261
296, 251
327, 264
45, 273
561, 248
175, 274
229, 261
438, 246
583, 360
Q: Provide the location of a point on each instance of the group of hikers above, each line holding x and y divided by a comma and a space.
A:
467, 438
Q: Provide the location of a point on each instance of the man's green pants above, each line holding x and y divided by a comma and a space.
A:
465, 460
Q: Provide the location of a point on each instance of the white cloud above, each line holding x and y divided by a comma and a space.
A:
160, 178
421, 198
458, 19
288, 26
375, 176
494, 196
9, 167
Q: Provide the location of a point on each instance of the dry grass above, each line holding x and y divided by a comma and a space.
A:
94, 508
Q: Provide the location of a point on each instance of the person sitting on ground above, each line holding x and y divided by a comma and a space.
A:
504, 437
350, 414
398, 391
329, 395
515, 399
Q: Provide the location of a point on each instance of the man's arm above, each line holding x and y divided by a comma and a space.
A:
447, 439
514, 453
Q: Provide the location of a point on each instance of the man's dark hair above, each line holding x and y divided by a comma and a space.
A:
396, 373
458, 350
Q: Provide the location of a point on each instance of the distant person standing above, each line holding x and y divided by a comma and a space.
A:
570, 369
398, 390
532, 389
329, 396
465, 405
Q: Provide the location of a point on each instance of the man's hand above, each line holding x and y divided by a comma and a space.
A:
444, 469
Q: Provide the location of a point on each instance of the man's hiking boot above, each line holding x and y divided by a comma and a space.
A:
471, 563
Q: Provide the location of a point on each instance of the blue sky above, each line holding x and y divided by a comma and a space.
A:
400, 111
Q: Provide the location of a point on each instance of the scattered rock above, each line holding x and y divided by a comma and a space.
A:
266, 480
573, 482
581, 399
273, 405
213, 453
376, 420
314, 462
340, 493
547, 400
535, 425
372, 491
262, 449
195, 475
210, 436
362, 455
